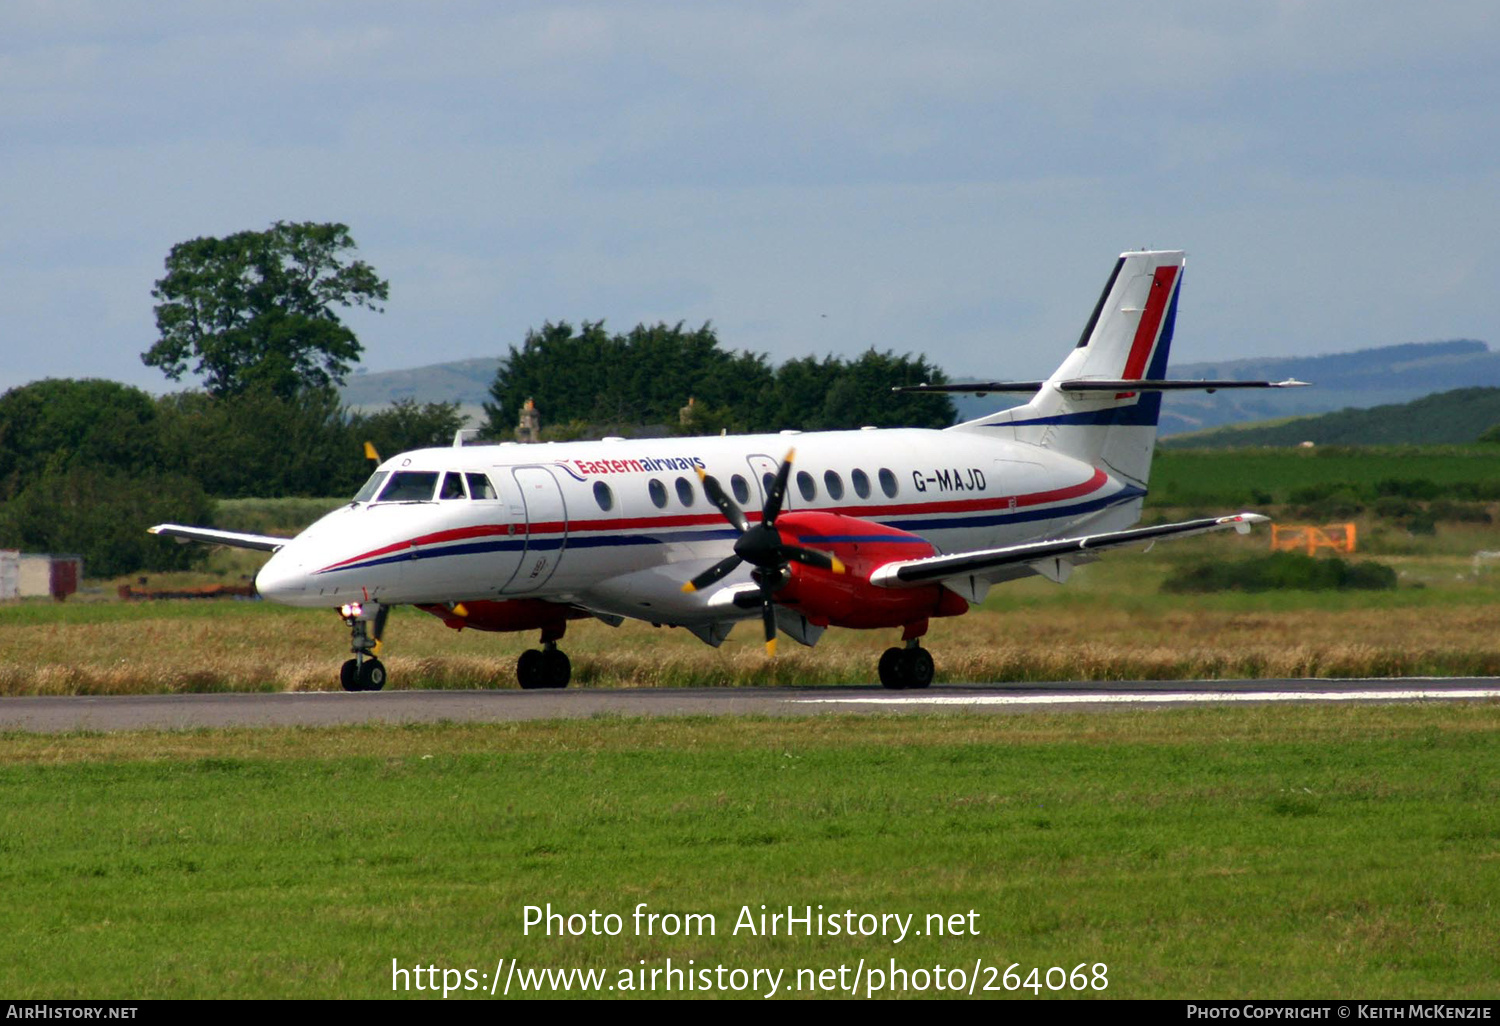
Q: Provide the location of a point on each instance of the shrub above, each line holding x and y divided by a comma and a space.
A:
1280, 571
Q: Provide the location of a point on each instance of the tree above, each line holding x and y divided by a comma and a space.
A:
101, 513
616, 382
643, 377
406, 424
258, 308
64, 423
260, 444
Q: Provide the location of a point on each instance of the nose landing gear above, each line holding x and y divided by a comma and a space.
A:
365, 672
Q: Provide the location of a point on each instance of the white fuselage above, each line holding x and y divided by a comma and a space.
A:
617, 526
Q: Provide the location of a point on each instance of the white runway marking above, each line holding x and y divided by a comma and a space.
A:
1156, 697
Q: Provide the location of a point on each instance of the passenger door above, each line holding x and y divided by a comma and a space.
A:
546, 528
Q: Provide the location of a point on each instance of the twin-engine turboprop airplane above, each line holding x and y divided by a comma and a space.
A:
866, 529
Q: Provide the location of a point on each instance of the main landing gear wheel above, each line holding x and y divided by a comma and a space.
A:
545, 668
903, 668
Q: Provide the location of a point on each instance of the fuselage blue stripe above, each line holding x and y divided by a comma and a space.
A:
522, 543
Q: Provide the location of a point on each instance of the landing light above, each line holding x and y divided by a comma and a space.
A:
351, 610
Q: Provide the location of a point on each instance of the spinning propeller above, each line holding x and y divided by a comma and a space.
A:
762, 547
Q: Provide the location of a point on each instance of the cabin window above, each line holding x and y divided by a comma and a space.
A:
372, 486
769, 480
861, 482
453, 487
741, 489
480, 487
410, 486
603, 496
658, 493
684, 491
806, 485
833, 485
888, 483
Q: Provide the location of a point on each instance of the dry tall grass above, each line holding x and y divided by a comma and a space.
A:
165, 651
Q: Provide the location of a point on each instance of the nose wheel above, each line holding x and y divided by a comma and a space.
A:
365, 672
362, 676
904, 668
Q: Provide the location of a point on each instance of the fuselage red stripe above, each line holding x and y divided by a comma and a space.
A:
1093, 484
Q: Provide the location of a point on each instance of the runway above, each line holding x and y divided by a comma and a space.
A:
313, 709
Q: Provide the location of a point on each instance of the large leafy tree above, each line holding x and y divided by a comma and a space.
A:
643, 377
259, 309
64, 423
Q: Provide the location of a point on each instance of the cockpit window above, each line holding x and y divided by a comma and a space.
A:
372, 486
480, 487
410, 486
453, 487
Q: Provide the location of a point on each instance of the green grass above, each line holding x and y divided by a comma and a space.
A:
1218, 478
1208, 853
272, 516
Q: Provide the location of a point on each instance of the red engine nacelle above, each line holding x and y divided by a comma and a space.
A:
849, 599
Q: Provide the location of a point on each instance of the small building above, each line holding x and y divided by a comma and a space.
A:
34, 575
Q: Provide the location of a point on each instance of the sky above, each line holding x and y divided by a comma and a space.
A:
947, 178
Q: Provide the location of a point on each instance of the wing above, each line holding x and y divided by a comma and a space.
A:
263, 542
1043, 557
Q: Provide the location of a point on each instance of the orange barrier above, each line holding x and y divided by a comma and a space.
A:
1291, 537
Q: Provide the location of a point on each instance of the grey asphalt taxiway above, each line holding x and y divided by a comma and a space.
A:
146, 712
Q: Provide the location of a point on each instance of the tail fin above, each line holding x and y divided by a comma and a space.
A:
1128, 337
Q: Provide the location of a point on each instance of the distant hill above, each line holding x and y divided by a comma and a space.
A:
1452, 418
1365, 378
466, 382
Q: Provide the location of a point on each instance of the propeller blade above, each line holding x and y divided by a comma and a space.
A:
715, 493
768, 617
716, 572
812, 557
778, 490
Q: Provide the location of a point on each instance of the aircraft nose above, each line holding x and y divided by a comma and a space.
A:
282, 579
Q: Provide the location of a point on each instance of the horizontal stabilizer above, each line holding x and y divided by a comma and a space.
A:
234, 539
1040, 556
1091, 385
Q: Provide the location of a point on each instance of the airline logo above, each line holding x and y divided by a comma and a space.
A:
647, 465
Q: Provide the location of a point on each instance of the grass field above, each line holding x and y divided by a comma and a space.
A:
1256, 476
1288, 852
